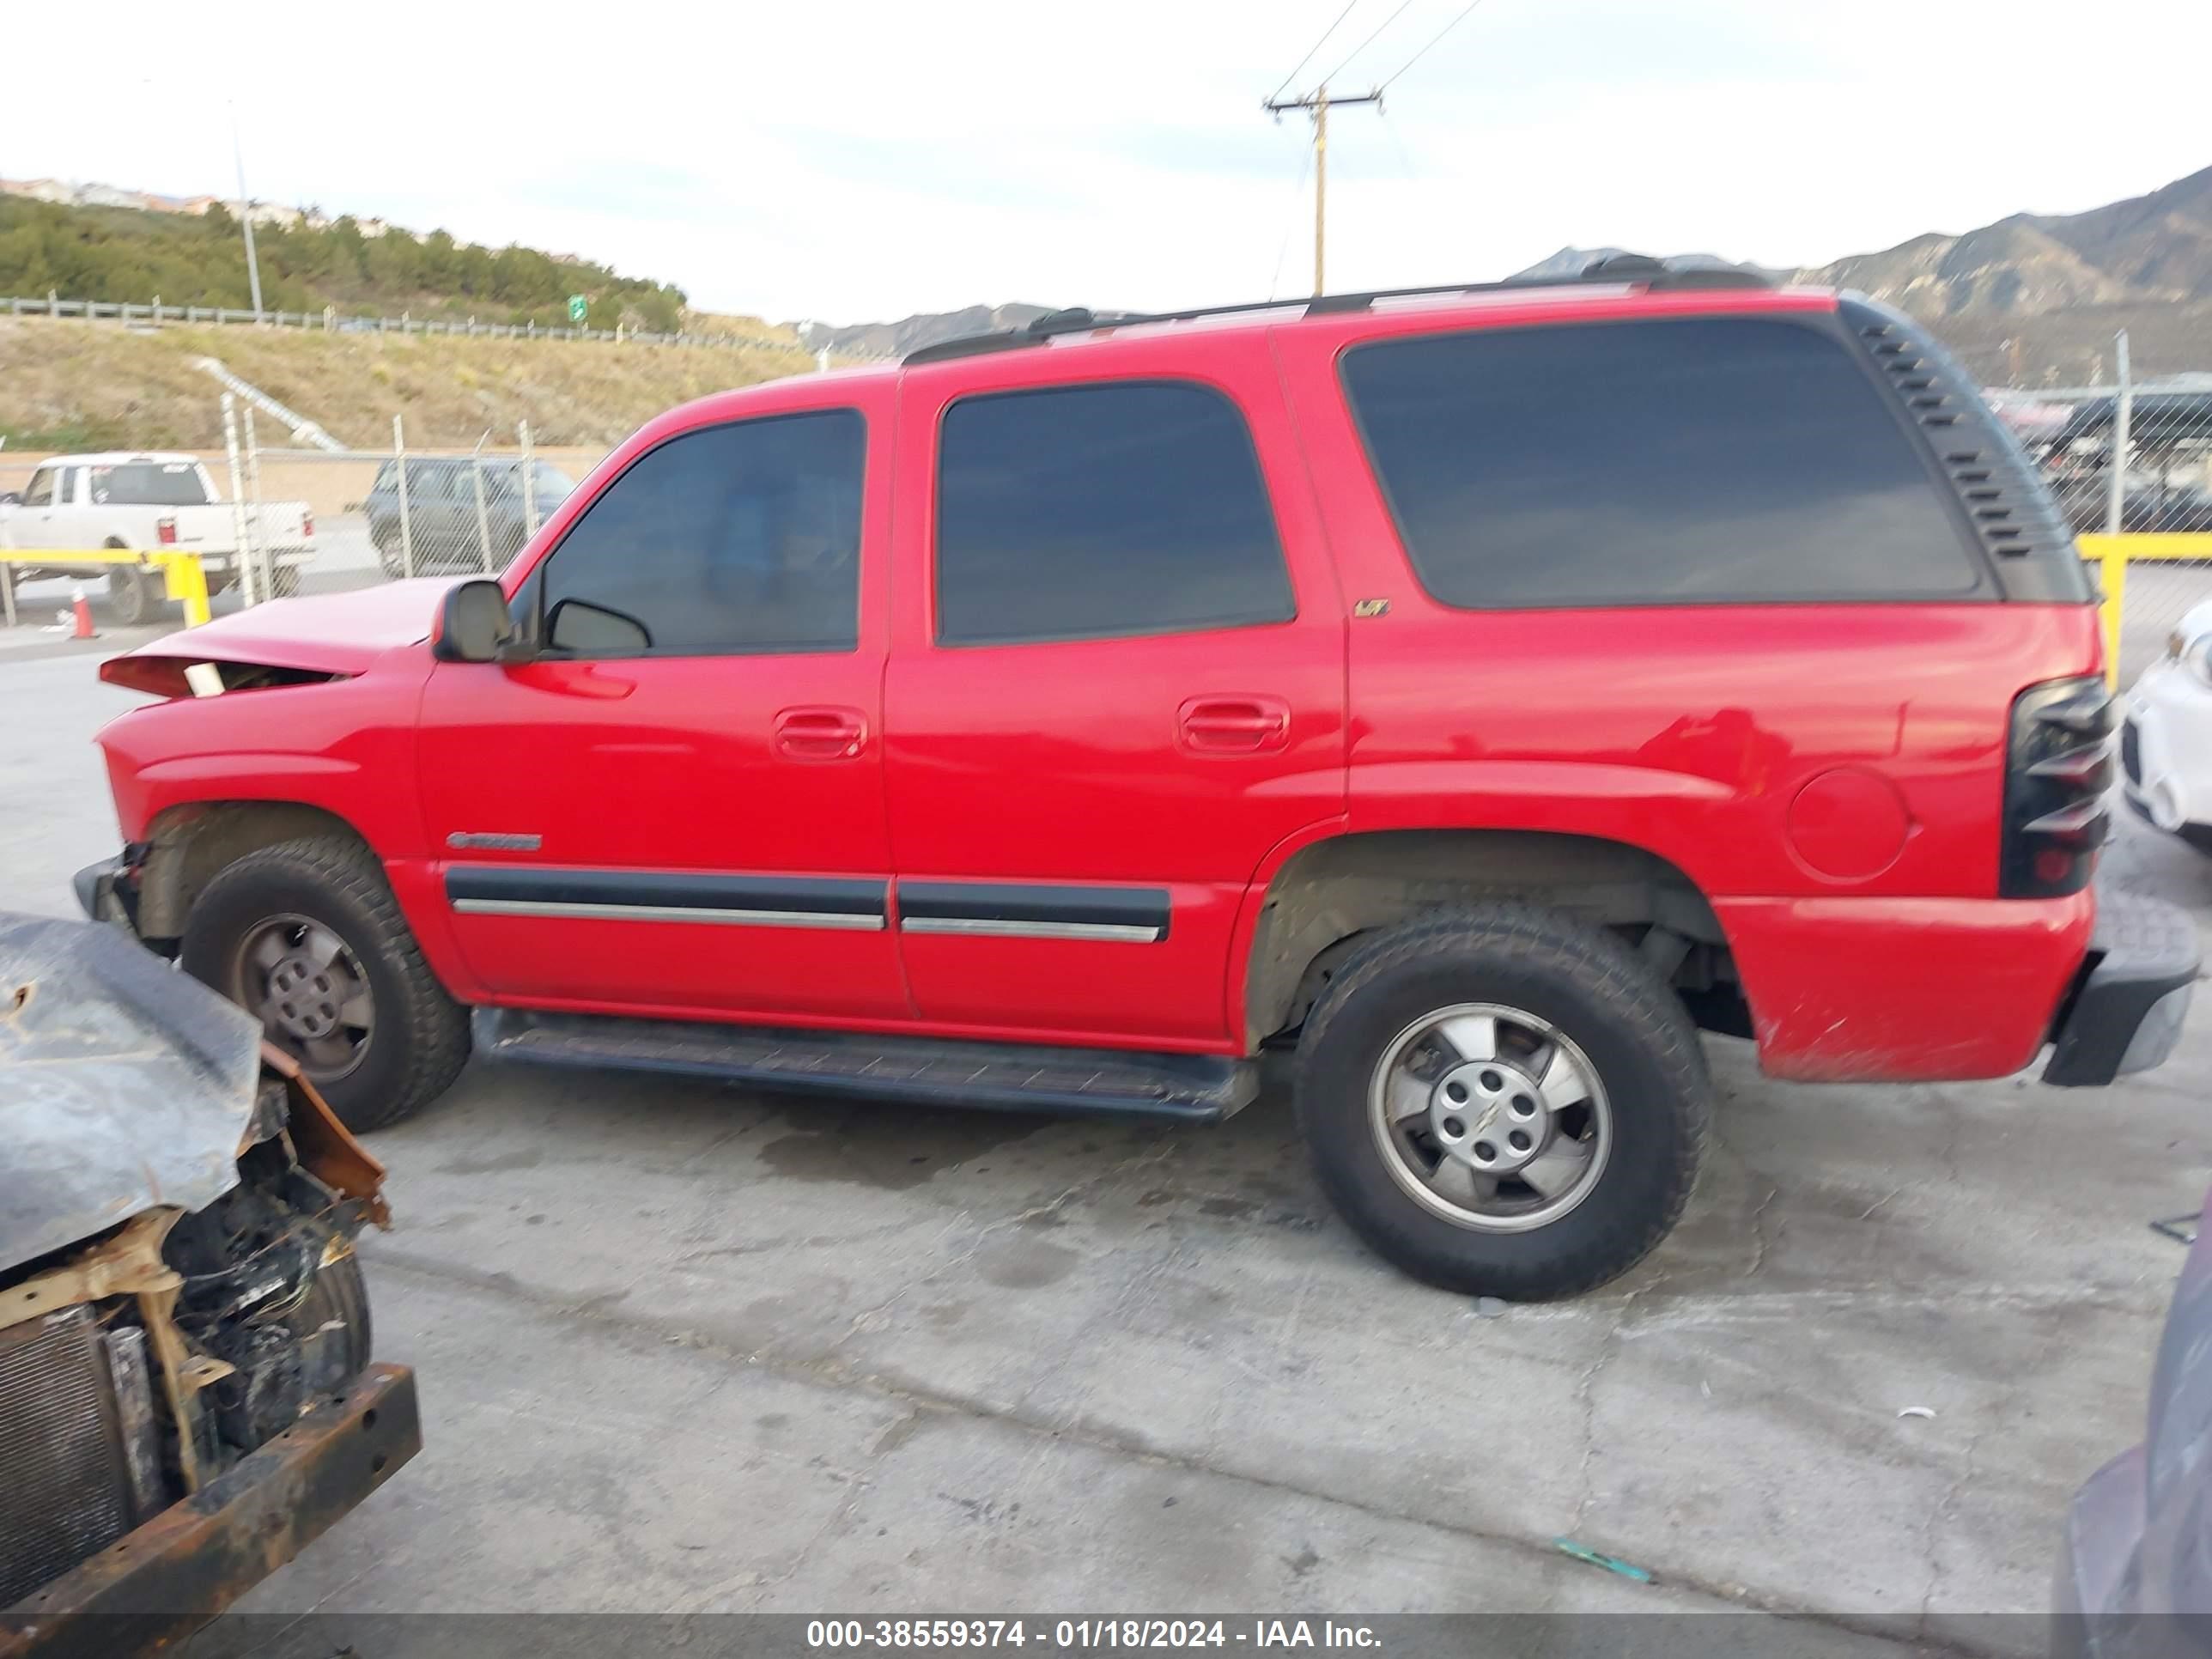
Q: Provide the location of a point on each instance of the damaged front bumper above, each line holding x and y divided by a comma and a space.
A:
176, 1570
108, 890
2126, 1010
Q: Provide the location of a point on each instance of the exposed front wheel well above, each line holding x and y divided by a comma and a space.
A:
188, 846
1330, 895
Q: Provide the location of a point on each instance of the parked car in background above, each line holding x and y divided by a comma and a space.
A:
2166, 734
154, 503
2147, 508
1465, 696
442, 520
187, 1397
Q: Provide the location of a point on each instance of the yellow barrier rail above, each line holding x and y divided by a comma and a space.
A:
2112, 554
183, 578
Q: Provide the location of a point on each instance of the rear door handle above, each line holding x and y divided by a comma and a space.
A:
821, 733
1234, 726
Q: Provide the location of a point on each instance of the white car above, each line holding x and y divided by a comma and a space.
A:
2166, 742
152, 501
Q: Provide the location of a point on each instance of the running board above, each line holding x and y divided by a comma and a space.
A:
932, 1071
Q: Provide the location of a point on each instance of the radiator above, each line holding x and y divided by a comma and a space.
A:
64, 1491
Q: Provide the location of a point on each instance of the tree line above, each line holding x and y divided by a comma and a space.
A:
129, 254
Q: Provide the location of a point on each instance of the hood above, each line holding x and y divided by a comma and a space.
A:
125, 1086
333, 635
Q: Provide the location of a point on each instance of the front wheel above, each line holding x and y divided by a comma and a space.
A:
1503, 1101
307, 936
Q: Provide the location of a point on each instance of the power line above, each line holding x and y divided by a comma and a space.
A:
1369, 41
1438, 36
1312, 49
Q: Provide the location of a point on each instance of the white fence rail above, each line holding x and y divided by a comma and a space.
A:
154, 314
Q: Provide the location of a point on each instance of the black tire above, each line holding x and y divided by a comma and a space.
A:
285, 581
388, 551
1631, 1029
131, 595
418, 1037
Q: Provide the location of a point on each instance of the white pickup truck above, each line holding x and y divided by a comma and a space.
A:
152, 503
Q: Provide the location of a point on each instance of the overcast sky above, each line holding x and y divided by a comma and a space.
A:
854, 162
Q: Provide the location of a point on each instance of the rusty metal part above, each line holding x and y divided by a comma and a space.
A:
325, 1148
130, 1263
170, 1576
184, 1374
126, 1263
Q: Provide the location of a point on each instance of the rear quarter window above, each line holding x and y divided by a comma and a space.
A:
1690, 461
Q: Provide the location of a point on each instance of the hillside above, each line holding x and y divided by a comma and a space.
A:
77, 386
879, 340
2036, 298
130, 254
2149, 250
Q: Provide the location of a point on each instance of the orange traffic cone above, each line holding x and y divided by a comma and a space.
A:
82, 616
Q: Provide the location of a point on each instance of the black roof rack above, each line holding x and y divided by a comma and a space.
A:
1621, 268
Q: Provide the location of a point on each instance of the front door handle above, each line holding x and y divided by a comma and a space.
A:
821, 733
1234, 726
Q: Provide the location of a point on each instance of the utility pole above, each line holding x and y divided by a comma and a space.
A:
1318, 102
246, 214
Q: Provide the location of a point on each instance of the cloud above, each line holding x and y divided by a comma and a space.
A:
852, 160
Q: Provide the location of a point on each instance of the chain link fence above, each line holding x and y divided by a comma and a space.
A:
369, 515
392, 513
2133, 461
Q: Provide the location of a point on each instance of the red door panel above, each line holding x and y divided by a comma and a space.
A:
645, 768
1082, 775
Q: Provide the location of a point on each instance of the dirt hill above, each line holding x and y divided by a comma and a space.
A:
2035, 299
70, 385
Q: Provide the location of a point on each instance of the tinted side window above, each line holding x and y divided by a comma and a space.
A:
1707, 460
1089, 511
739, 537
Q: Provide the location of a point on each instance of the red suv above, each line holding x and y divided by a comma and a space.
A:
1468, 693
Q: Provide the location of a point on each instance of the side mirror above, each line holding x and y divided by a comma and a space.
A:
11, 498
473, 624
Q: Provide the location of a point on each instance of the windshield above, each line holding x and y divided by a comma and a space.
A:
150, 483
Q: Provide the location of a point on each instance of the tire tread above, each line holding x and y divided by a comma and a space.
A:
1527, 935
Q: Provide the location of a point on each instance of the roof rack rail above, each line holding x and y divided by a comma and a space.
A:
1621, 268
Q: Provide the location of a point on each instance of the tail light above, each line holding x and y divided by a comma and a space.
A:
2058, 766
166, 530
307, 524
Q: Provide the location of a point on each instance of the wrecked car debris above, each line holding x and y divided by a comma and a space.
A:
186, 1393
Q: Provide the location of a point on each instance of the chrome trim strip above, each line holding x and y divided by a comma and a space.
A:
1002, 927
832, 919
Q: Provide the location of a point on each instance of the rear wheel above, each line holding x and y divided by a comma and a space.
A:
305, 936
285, 581
1503, 1101
131, 595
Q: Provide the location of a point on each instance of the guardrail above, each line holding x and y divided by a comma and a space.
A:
330, 320
183, 577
